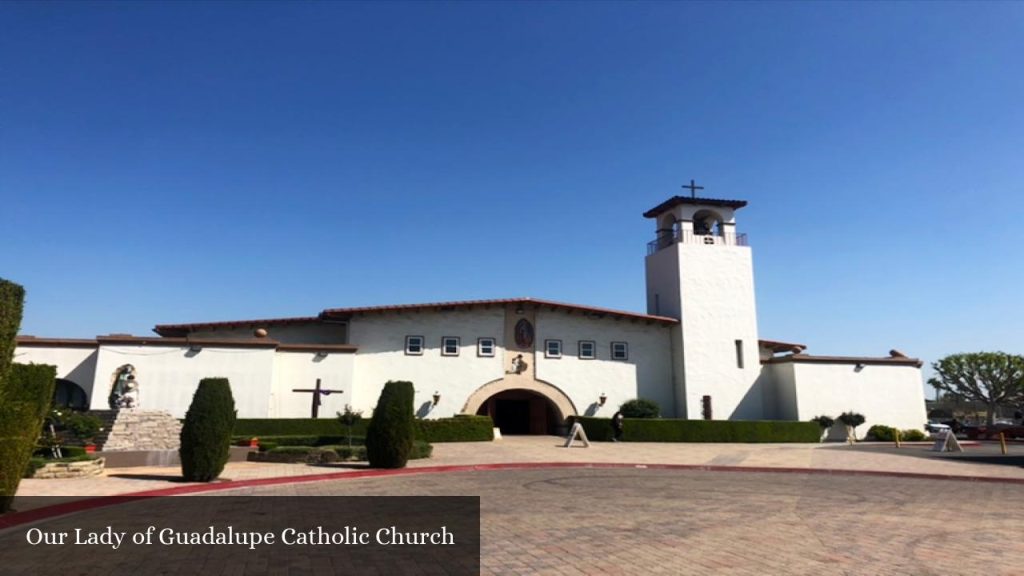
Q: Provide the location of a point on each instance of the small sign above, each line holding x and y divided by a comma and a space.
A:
574, 432
947, 442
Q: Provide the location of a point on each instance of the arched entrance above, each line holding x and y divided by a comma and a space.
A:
519, 412
522, 405
67, 394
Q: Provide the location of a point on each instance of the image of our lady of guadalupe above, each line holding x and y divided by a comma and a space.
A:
124, 390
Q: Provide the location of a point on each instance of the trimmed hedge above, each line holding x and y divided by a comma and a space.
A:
206, 434
464, 428
260, 427
461, 428
673, 430
883, 433
26, 400
329, 454
391, 431
12, 301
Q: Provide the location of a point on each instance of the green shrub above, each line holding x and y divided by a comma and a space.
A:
882, 433
12, 300
389, 436
28, 391
463, 428
824, 422
640, 408
346, 452
420, 450
292, 450
852, 419
913, 435
206, 434
84, 426
675, 430
67, 451
267, 446
321, 456
34, 463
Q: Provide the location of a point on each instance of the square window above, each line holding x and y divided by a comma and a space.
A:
620, 351
450, 346
485, 347
414, 345
588, 350
552, 348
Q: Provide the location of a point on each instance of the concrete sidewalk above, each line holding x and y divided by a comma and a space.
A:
548, 449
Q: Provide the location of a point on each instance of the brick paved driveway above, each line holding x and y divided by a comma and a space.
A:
642, 521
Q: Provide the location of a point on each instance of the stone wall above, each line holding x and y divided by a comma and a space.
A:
82, 469
132, 429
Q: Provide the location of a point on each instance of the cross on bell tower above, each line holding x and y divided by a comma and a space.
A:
693, 188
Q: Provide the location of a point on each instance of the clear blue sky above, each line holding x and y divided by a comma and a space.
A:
178, 162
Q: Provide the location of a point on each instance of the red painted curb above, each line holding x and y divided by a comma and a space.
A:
18, 518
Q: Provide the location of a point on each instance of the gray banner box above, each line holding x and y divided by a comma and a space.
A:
246, 535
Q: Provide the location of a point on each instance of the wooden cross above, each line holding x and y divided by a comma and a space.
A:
317, 392
693, 188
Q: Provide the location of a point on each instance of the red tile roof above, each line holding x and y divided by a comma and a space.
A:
677, 200
344, 313
867, 360
780, 346
183, 329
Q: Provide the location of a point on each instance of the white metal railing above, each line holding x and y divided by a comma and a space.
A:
668, 238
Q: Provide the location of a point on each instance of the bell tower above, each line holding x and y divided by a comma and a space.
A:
700, 271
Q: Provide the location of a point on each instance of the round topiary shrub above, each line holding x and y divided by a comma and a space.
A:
206, 434
882, 433
640, 408
825, 422
913, 435
389, 436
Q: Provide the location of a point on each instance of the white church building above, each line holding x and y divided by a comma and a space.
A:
526, 362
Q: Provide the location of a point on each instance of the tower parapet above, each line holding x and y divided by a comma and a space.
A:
695, 221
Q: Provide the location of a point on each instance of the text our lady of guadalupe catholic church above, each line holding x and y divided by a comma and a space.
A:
526, 362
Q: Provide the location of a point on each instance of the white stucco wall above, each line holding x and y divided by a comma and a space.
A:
717, 295
300, 370
75, 364
662, 274
169, 375
647, 372
779, 389
381, 357
884, 394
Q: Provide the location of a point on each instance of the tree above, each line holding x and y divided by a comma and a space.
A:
389, 436
25, 395
991, 378
851, 420
206, 434
349, 419
640, 408
825, 422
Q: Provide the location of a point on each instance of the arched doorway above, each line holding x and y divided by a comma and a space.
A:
67, 394
521, 412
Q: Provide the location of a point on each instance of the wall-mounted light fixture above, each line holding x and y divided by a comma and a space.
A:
321, 355
602, 399
195, 348
437, 398
519, 309
858, 367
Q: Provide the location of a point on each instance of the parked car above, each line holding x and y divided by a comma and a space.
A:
984, 432
936, 428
